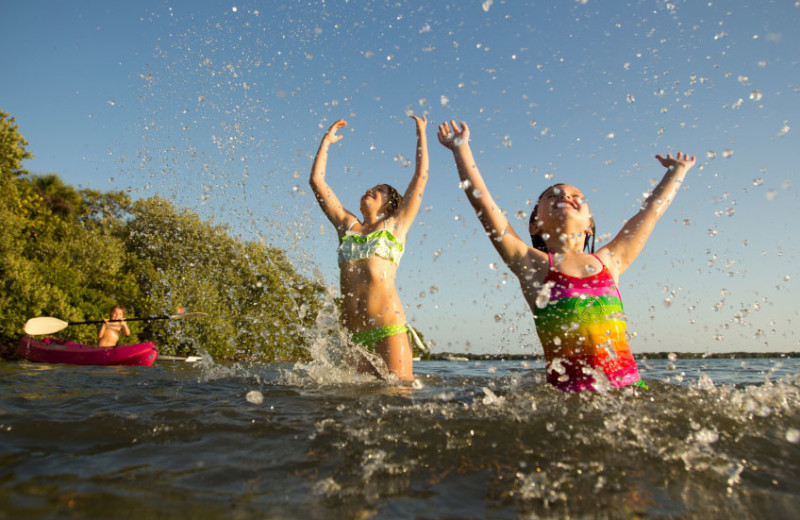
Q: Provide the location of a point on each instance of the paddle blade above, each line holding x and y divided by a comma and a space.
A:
44, 325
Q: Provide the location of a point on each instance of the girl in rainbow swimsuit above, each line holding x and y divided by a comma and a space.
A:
573, 294
369, 253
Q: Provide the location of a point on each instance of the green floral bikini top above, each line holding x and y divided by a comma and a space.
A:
380, 243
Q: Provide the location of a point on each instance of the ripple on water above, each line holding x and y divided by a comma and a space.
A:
479, 438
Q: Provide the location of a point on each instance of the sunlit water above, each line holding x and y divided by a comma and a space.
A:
468, 440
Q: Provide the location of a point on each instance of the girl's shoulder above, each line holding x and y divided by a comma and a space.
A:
610, 261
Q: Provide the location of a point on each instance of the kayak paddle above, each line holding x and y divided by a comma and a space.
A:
48, 325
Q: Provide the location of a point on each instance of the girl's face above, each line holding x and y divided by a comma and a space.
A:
560, 208
117, 314
375, 198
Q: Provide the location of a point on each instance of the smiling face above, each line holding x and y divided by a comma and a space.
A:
561, 209
375, 198
381, 199
117, 313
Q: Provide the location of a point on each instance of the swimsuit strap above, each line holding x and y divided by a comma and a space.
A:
550, 259
598, 259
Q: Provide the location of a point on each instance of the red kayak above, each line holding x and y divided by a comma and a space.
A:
49, 350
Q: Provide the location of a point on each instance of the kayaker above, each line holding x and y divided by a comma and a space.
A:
110, 330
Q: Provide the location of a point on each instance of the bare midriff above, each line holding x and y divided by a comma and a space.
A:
369, 296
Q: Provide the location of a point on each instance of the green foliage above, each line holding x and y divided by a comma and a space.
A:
253, 296
74, 254
12, 147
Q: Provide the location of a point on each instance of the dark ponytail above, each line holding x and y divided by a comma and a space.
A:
394, 199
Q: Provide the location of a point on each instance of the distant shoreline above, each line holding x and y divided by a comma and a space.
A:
452, 356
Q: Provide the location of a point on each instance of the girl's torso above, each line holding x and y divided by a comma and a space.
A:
110, 334
581, 324
368, 265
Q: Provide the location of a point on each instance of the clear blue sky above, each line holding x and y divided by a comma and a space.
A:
220, 106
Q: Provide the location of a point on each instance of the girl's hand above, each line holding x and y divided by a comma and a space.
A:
422, 123
680, 160
330, 136
454, 138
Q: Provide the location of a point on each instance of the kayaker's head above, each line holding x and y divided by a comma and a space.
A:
117, 312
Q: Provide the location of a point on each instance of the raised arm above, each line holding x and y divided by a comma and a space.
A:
513, 250
620, 253
407, 211
327, 199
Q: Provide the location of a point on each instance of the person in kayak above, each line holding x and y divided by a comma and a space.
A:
110, 330
573, 294
369, 253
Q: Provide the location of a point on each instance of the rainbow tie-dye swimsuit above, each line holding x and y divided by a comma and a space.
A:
583, 332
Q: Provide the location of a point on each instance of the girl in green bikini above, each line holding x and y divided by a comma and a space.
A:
369, 253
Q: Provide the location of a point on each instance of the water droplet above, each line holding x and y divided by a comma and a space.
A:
498, 317
630, 98
399, 158
464, 184
548, 175
711, 154
667, 302
521, 215
727, 154
444, 100
758, 182
254, 397
543, 295
493, 266
705, 435
756, 95
793, 435
477, 193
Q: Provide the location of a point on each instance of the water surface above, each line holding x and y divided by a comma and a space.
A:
713, 438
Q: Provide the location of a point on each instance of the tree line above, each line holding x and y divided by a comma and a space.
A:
74, 253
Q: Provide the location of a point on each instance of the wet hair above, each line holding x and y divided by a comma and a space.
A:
537, 240
394, 199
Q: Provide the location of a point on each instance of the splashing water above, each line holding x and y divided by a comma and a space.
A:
334, 359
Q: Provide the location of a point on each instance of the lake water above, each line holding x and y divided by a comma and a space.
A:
711, 439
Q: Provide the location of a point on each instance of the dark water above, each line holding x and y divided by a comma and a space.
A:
721, 439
